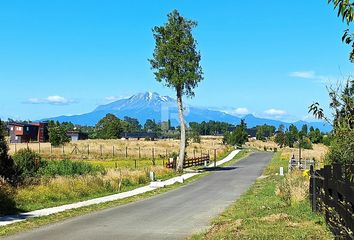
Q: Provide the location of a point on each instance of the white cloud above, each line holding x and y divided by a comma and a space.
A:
303, 74
312, 75
241, 111
111, 98
115, 98
52, 100
275, 112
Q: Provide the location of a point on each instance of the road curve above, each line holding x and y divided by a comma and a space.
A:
176, 214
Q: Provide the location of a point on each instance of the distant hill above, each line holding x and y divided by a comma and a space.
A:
151, 105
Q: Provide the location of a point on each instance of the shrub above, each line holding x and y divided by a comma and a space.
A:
27, 163
7, 169
68, 168
7, 197
294, 188
306, 144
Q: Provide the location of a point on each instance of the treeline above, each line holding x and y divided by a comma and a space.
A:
112, 127
293, 137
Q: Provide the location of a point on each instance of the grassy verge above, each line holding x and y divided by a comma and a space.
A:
261, 214
60, 190
32, 223
37, 222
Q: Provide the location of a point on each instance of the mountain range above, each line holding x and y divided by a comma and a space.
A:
150, 105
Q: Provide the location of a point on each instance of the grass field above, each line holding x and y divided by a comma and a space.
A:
318, 152
260, 213
37, 222
122, 149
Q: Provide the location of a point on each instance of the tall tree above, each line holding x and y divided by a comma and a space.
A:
109, 127
57, 133
176, 62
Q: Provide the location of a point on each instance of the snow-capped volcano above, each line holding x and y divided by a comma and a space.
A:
139, 101
151, 105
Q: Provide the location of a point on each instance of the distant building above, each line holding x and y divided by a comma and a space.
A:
76, 135
140, 135
28, 132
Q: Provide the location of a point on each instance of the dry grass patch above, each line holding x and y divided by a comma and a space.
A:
121, 149
276, 217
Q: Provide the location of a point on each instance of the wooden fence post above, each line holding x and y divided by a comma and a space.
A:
88, 149
39, 147
193, 153
126, 152
101, 150
153, 156
214, 157
15, 148
113, 151
139, 153
135, 163
63, 150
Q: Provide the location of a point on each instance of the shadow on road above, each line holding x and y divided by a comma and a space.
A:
218, 169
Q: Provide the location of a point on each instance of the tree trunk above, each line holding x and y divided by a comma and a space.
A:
182, 145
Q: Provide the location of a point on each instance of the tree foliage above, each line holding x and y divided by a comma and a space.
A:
346, 11
238, 136
6, 162
342, 105
109, 127
264, 131
57, 133
176, 63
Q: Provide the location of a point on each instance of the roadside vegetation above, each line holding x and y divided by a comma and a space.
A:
28, 182
36, 222
275, 207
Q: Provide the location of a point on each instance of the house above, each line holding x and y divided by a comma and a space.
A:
28, 132
140, 135
76, 135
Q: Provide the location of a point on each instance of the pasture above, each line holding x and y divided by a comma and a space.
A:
119, 153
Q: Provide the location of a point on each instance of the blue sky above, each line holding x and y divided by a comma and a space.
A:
260, 57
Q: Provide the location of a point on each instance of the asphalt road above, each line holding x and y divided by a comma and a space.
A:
176, 214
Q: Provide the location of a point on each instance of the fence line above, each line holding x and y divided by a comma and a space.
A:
197, 161
332, 193
105, 152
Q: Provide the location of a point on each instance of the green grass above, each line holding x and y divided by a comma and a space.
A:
37, 222
126, 163
32, 223
261, 214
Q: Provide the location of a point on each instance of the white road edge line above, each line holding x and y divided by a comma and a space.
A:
9, 219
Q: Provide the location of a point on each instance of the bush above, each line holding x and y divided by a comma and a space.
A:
7, 197
306, 143
294, 188
341, 149
27, 163
68, 168
7, 169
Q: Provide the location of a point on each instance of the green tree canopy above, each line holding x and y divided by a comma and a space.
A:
238, 136
109, 127
57, 133
176, 63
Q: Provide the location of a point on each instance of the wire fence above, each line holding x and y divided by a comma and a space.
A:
102, 151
